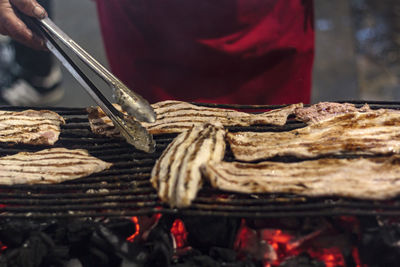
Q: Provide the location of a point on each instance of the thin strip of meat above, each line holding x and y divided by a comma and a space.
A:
35, 127
176, 174
48, 166
177, 116
369, 133
363, 178
325, 110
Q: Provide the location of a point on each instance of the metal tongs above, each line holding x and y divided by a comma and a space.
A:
135, 105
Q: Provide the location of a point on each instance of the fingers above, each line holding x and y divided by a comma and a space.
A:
14, 27
30, 8
11, 25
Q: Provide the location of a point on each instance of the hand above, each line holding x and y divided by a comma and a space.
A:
13, 26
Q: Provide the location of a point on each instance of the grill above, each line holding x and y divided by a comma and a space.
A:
125, 190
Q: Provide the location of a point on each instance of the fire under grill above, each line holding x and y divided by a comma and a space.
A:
125, 190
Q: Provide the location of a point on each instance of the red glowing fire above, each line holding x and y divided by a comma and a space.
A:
135, 220
2, 246
179, 232
274, 246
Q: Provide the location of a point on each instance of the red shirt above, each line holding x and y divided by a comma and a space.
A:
221, 51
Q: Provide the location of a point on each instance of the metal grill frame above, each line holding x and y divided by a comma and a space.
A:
125, 190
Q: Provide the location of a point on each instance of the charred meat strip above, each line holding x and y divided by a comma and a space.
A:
176, 174
48, 166
325, 110
35, 127
363, 178
369, 133
178, 116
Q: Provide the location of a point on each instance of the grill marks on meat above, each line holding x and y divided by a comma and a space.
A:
178, 116
175, 116
369, 133
33, 127
355, 178
325, 110
176, 174
53, 165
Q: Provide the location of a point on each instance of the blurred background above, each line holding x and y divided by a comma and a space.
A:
357, 49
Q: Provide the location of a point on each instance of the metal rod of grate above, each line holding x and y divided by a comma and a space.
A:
125, 190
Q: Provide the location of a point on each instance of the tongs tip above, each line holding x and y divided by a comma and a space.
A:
135, 134
134, 104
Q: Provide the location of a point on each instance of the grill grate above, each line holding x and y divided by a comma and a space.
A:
125, 190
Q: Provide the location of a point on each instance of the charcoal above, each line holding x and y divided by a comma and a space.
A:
156, 250
138, 258
14, 232
160, 255
160, 243
76, 230
302, 260
218, 257
207, 232
108, 247
36, 251
200, 261
224, 254
97, 257
55, 243
380, 242
102, 242
73, 263
131, 254
30, 255
122, 228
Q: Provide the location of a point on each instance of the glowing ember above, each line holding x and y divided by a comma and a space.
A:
2, 246
179, 232
322, 243
332, 257
274, 246
135, 220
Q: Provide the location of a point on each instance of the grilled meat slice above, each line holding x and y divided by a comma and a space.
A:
364, 178
101, 124
325, 110
178, 116
35, 127
369, 133
48, 166
176, 174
